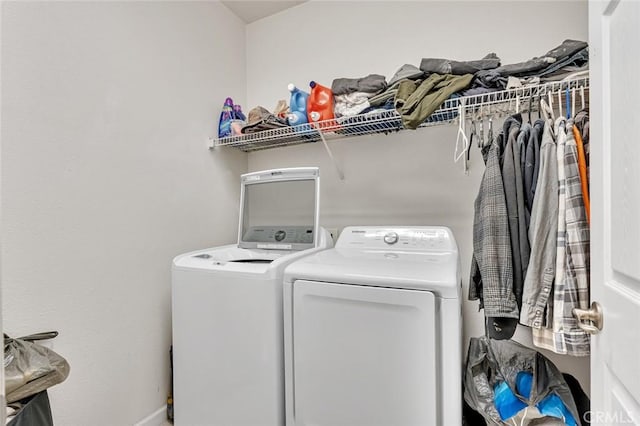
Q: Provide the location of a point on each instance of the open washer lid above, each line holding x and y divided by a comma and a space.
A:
279, 209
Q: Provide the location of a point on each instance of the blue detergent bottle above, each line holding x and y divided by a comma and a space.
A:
298, 106
226, 117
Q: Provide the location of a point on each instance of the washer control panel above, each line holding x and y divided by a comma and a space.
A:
397, 238
391, 237
279, 235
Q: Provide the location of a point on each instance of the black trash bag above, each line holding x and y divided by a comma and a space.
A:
30, 368
490, 362
583, 403
32, 411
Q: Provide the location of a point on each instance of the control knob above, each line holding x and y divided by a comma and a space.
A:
391, 238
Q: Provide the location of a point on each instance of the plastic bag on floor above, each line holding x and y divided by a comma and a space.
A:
30, 368
490, 362
32, 411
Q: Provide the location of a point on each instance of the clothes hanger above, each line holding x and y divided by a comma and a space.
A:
473, 136
461, 137
549, 116
490, 132
530, 107
573, 100
481, 140
567, 102
539, 106
582, 97
546, 109
560, 103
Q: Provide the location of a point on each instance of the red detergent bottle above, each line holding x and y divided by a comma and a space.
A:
320, 105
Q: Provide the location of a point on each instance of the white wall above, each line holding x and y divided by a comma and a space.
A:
106, 111
407, 178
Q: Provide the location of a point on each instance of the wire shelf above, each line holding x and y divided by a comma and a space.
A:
389, 121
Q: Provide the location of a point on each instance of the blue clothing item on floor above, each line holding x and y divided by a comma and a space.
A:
554, 407
551, 405
524, 382
507, 404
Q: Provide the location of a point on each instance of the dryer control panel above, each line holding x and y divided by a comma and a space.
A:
421, 238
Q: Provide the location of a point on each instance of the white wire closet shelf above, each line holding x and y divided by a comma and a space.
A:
389, 121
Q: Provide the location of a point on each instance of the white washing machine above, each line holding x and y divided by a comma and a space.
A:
373, 330
227, 305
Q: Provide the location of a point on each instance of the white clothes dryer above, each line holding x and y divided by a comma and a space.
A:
373, 330
227, 305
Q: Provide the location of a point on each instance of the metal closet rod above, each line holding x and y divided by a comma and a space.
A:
477, 108
524, 98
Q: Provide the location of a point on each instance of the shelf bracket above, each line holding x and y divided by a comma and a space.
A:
335, 163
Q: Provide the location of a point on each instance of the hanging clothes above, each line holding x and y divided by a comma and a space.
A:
531, 232
532, 163
581, 121
514, 195
508, 165
543, 231
582, 168
519, 152
491, 279
571, 289
523, 145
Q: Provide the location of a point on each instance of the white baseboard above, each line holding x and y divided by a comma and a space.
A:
157, 418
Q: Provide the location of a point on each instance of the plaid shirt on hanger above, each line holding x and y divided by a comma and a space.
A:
491, 278
572, 264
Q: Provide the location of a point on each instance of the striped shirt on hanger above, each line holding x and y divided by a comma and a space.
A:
571, 288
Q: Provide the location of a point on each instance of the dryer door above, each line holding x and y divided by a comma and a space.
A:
363, 355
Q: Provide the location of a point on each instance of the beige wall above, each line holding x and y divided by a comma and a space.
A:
106, 112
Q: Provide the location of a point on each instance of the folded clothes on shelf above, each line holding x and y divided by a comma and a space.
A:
261, 119
372, 84
448, 66
405, 72
569, 53
351, 104
352, 95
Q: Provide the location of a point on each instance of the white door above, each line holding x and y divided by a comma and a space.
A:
614, 33
364, 356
